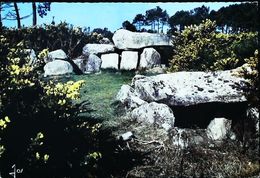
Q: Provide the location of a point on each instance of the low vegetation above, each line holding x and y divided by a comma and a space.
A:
202, 48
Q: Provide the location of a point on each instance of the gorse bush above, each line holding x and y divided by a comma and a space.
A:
250, 71
201, 48
40, 127
61, 36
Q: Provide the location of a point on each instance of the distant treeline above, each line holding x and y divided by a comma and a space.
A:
231, 19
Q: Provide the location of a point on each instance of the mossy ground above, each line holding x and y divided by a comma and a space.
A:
100, 90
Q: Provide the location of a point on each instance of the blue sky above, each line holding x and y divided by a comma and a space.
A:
100, 15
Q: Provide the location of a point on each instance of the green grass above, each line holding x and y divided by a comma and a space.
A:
100, 90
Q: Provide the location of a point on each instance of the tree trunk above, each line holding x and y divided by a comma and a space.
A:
34, 13
162, 27
1, 24
17, 15
181, 27
158, 26
226, 29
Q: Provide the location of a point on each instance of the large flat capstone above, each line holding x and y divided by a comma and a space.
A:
189, 88
124, 39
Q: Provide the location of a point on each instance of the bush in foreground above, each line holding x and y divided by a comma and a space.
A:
41, 131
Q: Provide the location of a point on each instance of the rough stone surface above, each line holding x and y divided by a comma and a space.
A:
93, 64
184, 137
57, 67
129, 60
109, 61
253, 114
105, 41
126, 136
97, 48
31, 56
189, 88
81, 63
89, 64
57, 54
124, 39
155, 114
128, 98
149, 58
156, 70
219, 128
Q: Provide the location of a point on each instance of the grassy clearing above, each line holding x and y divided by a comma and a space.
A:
101, 89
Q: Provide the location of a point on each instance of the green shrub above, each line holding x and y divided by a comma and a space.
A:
250, 71
40, 128
201, 48
61, 36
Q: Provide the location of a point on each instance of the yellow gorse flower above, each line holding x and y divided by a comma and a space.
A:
46, 158
39, 135
3, 122
37, 155
69, 90
43, 54
2, 149
95, 155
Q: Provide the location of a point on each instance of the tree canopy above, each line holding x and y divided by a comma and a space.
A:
128, 26
232, 19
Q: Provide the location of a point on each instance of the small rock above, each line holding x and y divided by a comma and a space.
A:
219, 128
127, 136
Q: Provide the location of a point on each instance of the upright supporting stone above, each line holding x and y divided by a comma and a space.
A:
93, 64
129, 60
109, 61
149, 58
